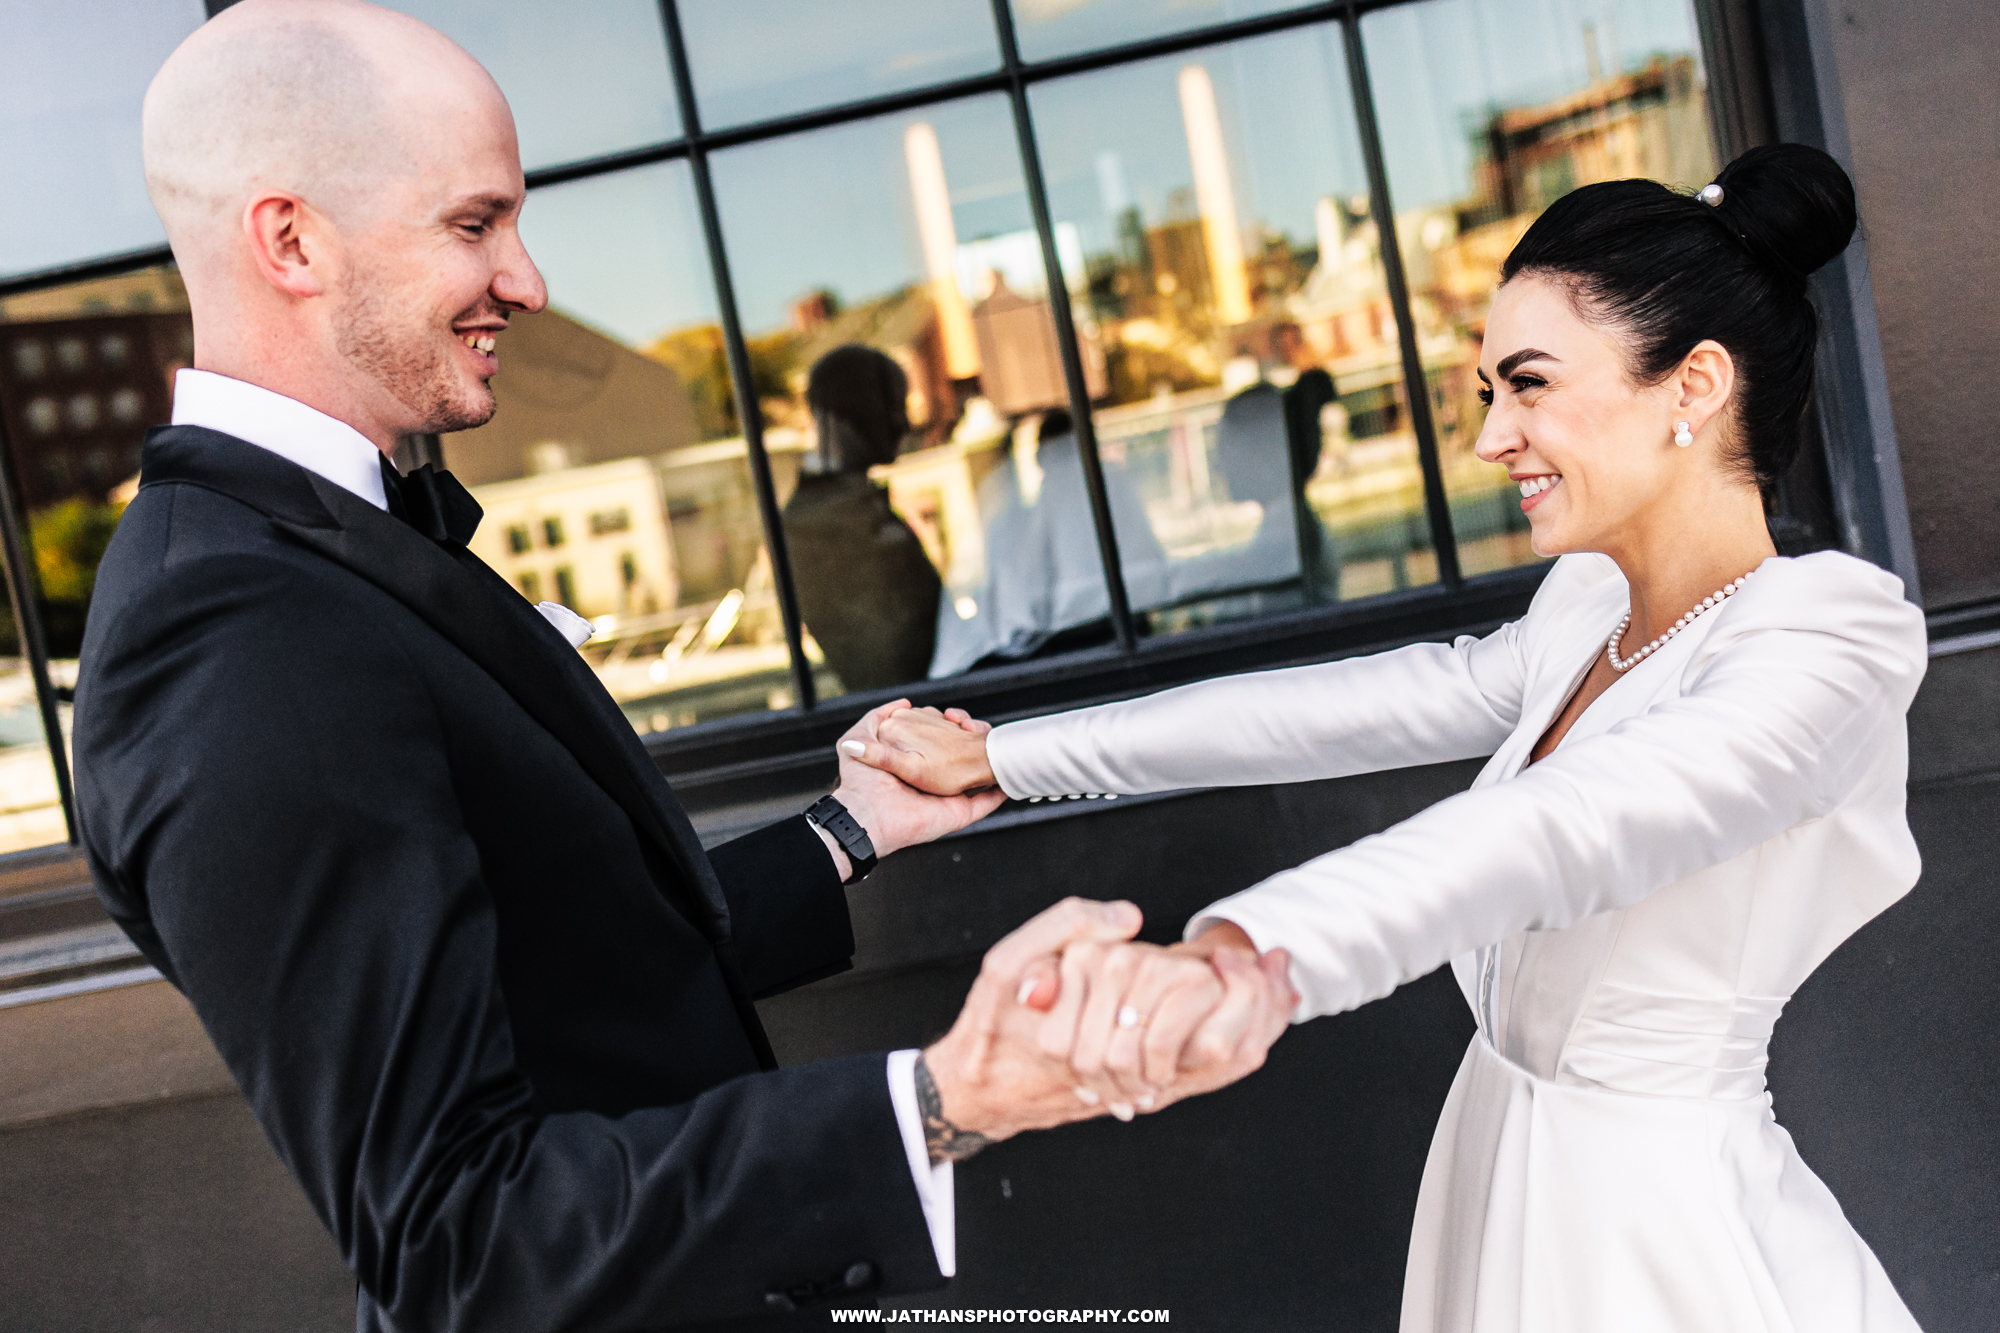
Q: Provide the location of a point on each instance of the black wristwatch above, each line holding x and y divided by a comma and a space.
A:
831, 815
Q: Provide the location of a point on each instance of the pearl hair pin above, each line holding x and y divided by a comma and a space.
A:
1682, 435
1709, 603
1710, 194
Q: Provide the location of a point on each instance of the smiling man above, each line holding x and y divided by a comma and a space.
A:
373, 815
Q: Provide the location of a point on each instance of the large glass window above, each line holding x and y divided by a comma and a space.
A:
1215, 236
84, 370
614, 475
756, 60
585, 78
1232, 277
1489, 113
894, 287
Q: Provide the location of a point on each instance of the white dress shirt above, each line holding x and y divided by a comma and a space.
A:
344, 456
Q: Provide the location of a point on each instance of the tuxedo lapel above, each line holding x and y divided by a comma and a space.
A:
471, 606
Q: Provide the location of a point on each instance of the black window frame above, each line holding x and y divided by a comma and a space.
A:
1769, 76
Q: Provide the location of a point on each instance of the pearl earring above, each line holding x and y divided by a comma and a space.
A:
1681, 435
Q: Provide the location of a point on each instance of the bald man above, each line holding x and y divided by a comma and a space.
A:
373, 815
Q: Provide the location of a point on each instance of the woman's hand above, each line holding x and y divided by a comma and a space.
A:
1143, 1027
895, 814
940, 753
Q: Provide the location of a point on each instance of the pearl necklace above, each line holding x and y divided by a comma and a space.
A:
1709, 603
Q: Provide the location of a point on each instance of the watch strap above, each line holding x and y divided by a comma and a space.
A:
829, 814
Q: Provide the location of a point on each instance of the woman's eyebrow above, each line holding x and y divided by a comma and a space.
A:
1513, 362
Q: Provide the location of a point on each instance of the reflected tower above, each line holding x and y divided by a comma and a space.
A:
939, 238
1214, 198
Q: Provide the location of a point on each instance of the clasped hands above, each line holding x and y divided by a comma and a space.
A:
1071, 1017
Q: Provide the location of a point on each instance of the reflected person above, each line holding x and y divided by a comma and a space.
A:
1044, 585
867, 591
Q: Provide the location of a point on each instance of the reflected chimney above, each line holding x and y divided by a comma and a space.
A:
940, 241
1213, 196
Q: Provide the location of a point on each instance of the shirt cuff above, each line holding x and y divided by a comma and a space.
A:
934, 1184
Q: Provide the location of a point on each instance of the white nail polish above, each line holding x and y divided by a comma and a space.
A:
1088, 1096
1147, 1101
1122, 1110
1027, 989
855, 748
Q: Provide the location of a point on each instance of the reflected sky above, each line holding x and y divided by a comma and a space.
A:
623, 253
1117, 137
832, 208
74, 76
585, 77
1047, 28
1441, 68
758, 59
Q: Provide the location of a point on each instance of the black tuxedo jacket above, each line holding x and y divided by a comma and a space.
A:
452, 932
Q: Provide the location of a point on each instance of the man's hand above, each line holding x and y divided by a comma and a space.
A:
897, 815
990, 1077
1069, 1019
942, 753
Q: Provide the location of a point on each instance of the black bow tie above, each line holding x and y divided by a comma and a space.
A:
433, 502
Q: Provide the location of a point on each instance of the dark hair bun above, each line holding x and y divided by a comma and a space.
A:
1792, 205
1664, 270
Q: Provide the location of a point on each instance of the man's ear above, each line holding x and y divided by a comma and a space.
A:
1707, 377
288, 241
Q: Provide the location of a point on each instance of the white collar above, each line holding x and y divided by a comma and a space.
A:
285, 426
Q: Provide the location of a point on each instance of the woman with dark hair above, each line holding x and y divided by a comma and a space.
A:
1696, 791
867, 591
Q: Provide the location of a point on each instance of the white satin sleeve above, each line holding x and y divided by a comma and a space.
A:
1423, 704
1783, 709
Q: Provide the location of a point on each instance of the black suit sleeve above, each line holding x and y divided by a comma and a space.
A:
268, 800
787, 909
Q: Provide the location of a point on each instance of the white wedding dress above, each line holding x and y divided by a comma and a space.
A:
1626, 917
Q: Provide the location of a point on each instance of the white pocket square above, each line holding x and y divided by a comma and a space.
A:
568, 623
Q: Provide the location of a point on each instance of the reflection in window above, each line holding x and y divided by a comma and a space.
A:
757, 60
1049, 28
903, 343
1254, 383
585, 78
1485, 121
75, 405
616, 400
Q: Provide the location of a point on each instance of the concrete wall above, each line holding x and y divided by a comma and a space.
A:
1921, 84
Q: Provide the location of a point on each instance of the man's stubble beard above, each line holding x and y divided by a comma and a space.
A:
399, 352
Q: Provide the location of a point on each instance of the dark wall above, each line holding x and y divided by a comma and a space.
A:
1921, 85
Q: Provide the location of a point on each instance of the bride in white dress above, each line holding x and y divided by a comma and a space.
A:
1696, 789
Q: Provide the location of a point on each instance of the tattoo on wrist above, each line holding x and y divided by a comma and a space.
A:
946, 1141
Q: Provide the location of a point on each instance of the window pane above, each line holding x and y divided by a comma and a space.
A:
614, 475
1255, 395
585, 78
1047, 28
1489, 111
84, 370
758, 59
894, 287
74, 76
